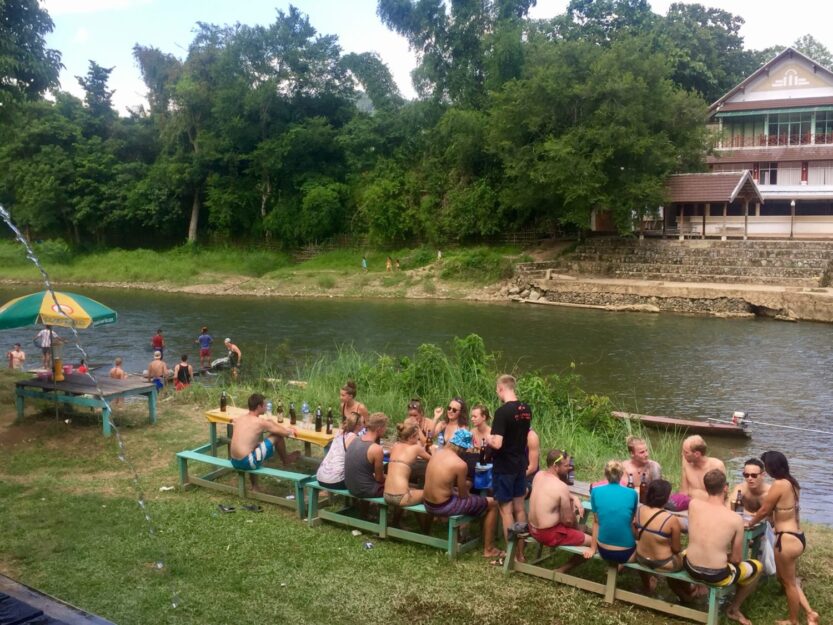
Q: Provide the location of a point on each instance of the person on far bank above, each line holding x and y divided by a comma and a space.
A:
157, 342
364, 264
508, 440
235, 357
205, 340
183, 373
16, 357
713, 532
614, 506
248, 451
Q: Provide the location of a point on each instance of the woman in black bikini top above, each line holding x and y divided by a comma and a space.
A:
782, 503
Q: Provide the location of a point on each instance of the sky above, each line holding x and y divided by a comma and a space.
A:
105, 31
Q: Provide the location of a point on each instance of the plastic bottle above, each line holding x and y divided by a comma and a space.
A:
268, 408
306, 415
571, 474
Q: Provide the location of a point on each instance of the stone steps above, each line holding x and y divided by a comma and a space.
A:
774, 263
722, 279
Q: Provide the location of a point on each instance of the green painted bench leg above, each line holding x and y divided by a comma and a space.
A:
509, 559
312, 507
383, 521
183, 471
610, 586
241, 484
19, 400
299, 499
451, 550
713, 617
106, 424
152, 406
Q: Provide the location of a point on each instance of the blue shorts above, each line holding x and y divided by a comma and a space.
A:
260, 453
508, 486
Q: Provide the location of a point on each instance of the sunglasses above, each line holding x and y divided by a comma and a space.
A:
751, 475
451, 409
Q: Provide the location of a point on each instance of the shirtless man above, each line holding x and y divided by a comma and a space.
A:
157, 371
235, 357
248, 452
714, 531
696, 463
553, 511
16, 357
752, 490
117, 373
640, 463
447, 491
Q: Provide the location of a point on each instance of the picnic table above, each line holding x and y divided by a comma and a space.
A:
79, 389
216, 416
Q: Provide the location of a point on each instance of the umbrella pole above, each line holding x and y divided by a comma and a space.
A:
52, 366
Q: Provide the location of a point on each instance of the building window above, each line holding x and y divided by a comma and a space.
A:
768, 173
824, 127
790, 129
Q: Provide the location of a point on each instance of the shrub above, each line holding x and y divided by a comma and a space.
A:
326, 282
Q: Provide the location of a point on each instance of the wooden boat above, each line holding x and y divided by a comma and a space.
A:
692, 426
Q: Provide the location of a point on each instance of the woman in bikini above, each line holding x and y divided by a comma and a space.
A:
347, 395
658, 543
782, 503
416, 414
456, 418
405, 452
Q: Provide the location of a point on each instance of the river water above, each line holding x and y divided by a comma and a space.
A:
656, 364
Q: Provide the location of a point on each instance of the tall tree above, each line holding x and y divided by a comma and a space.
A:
97, 96
603, 21
27, 66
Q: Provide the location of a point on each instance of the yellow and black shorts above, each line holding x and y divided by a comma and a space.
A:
742, 573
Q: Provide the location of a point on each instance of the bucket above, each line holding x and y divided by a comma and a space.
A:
67, 369
482, 476
44, 375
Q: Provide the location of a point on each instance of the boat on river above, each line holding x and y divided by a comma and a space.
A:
734, 427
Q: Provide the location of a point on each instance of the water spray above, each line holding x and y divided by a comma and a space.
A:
122, 453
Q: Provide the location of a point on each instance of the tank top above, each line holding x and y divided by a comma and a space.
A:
331, 469
182, 375
358, 472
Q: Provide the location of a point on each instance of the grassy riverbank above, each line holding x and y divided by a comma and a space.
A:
71, 525
458, 274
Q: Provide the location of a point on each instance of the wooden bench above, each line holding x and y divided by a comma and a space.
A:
609, 589
449, 543
224, 467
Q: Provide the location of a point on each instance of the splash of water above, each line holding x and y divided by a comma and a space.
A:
122, 448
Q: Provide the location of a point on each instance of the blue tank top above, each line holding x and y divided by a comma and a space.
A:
614, 506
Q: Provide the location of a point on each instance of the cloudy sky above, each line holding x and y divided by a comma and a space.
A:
106, 30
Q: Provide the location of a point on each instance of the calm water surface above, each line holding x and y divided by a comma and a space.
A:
657, 364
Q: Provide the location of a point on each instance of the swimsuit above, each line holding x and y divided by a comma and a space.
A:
656, 564
618, 556
799, 535
473, 505
742, 574
396, 500
645, 528
256, 458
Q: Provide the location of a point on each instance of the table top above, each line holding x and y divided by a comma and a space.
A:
81, 384
232, 412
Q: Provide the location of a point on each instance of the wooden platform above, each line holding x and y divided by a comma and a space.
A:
79, 389
693, 426
51, 607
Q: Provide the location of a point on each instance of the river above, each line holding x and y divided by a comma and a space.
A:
657, 364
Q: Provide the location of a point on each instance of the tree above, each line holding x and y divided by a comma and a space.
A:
27, 66
812, 47
603, 21
97, 97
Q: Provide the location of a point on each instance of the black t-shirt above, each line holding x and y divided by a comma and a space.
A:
512, 422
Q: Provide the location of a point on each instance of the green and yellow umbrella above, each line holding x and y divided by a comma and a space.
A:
70, 311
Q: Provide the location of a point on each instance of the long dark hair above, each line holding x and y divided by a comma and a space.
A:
463, 415
778, 468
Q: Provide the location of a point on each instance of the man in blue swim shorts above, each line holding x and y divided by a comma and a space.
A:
447, 491
248, 451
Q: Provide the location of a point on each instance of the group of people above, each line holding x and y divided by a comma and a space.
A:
43, 340
158, 371
440, 453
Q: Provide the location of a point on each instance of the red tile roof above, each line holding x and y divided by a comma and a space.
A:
780, 153
720, 187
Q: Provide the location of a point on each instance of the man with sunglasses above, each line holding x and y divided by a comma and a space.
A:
553, 510
508, 440
753, 489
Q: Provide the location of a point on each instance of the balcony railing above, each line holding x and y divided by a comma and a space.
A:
776, 140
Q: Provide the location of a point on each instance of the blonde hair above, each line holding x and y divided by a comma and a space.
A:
614, 471
406, 430
483, 411
631, 442
695, 442
377, 421
507, 381
350, 422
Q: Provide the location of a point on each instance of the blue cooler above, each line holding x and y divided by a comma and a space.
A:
482, 476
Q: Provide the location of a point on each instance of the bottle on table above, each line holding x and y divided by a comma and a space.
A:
329, 420
739, 503
318, 419
305, 413
268, 408
630, 481
280, 412
482, 459
223, 401
643, 489
293, 418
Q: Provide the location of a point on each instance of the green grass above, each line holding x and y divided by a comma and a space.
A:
72, 528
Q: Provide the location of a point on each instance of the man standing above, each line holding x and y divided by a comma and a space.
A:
696, 463
158, 371
235, 357
508, 440
45, 339
640, 463
183, 373
752, 490
205, 340
447, 491
714, 531
553, 510
157, 342
16, 357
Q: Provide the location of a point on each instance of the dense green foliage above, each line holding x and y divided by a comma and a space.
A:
270, 132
